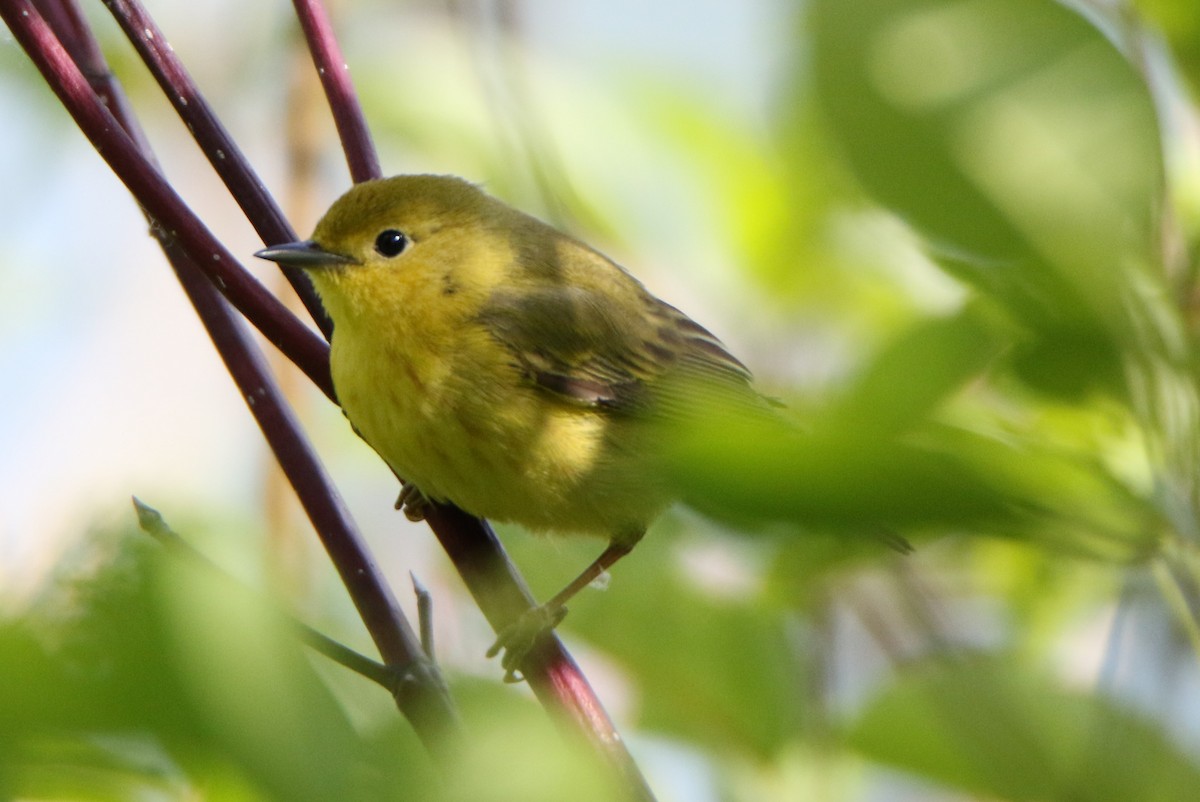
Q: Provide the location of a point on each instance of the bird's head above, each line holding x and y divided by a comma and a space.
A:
400, 239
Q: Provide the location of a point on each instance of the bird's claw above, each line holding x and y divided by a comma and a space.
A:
519, 638
412, 502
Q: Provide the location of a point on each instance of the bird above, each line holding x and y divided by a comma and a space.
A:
503, 366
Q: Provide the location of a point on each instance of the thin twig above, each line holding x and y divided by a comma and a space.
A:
171, 215
223, 153
473, 548
343, 100
551, 672
152, 523
553, 676
424, 615
423, 699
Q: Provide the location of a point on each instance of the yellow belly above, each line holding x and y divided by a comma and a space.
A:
457, 420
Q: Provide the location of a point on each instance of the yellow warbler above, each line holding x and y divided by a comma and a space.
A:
501, 365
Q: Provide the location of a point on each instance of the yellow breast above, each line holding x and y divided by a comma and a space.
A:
451, 414
447, 406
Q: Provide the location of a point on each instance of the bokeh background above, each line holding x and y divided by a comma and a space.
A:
957, 237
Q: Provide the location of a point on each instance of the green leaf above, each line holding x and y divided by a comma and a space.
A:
991, 727
879, 459
1021, 143
1179, 22
855, 465
1004, 128
917, 371
156, 674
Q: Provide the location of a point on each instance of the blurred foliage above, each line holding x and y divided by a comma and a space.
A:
1056, 407
976, 200
994, 729
156, 677
1178, 21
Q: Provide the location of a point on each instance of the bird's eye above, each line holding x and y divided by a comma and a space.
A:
391, 243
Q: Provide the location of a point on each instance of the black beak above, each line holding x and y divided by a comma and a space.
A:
307, 255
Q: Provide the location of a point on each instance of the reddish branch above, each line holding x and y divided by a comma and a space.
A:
156, 196
216, 143
494, 582
422, 696
196, 255
343, 100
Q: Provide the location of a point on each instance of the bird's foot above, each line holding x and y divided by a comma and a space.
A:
412, 502
519, 638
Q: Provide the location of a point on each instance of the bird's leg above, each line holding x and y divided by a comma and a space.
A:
615, 551
412, 502
518, 639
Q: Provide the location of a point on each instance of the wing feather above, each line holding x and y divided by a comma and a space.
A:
586, 346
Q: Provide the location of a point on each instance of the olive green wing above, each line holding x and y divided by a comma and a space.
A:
628, 352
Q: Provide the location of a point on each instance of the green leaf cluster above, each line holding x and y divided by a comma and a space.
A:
979, 208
